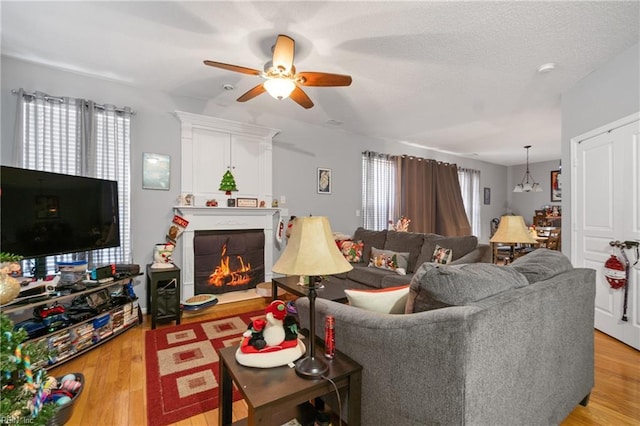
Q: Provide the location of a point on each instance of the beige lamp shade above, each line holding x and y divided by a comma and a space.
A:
311, 250
512, 230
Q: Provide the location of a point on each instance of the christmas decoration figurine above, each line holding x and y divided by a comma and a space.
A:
228, 183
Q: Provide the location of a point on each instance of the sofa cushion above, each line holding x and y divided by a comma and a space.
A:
370, 239
387, 300
436, 286
371, 277
459, 245
391, 260
542, 264
394, 280
405, 242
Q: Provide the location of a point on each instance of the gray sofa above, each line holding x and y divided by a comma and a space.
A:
511, 345
420, 248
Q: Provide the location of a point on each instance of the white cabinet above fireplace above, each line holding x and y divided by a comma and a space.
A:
211, 146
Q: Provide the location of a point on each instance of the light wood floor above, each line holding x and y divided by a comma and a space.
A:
115, 376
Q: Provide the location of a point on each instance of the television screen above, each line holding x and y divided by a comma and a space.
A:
45, 214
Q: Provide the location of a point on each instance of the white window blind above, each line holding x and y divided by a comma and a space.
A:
378, 190
78, 137
470, 189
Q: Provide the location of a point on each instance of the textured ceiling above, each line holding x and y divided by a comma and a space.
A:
453, 76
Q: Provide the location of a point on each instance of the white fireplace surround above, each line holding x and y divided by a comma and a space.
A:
210, 146
222, 219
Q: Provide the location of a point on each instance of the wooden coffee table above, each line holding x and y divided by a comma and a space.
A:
276, 395
290, 284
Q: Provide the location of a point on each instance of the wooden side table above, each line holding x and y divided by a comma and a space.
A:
162, 279
274, 394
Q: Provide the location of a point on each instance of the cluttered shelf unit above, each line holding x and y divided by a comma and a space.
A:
75, 323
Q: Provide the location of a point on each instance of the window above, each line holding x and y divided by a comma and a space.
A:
384, 195
78, 137
470, 188
378, 190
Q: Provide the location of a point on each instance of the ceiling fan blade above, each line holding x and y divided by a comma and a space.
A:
235, 68
283, 53
301, 98
323, 79
258, 90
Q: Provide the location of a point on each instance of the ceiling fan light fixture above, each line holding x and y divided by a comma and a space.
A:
528, 184
279, 88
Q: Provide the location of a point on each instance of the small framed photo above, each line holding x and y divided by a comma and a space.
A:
556, 185
324, 181
246, 202
487, 196
156, 171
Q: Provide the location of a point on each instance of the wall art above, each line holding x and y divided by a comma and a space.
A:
156, 171
324, 181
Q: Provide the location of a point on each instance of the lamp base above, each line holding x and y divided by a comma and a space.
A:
311, 368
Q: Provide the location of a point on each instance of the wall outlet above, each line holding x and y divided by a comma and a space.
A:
358, 213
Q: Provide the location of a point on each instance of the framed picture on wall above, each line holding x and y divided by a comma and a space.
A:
156, 171
324, 181
556, 185
487, 196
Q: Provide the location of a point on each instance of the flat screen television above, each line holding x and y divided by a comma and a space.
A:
45, 214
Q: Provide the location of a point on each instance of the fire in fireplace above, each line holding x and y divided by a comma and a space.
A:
229, 260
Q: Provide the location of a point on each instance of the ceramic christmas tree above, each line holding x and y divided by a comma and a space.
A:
228, 183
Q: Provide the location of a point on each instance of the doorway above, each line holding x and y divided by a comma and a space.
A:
606, 208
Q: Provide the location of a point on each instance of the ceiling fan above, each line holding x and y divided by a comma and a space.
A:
281, 78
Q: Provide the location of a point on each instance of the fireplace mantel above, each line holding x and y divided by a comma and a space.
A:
224, 211
222, 219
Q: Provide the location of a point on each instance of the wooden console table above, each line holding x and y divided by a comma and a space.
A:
274, 394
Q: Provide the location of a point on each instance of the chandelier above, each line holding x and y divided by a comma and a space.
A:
525, 185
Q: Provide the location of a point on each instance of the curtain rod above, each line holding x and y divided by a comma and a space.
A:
60, 99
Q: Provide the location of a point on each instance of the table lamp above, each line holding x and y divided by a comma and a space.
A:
512, 230
311, 251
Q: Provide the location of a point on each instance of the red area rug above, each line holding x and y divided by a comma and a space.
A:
182, 366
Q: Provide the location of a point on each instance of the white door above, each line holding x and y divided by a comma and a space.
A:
606, 207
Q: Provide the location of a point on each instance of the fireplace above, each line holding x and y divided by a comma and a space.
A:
222, 219
228, 260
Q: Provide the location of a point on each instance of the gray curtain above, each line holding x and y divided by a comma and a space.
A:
430, 196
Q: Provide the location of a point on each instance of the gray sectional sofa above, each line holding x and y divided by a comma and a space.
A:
420, 248
483, 345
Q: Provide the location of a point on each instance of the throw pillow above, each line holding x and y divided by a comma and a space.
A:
370, 239
391, 260
390, 300
442, 255
542, 264
461, 246
436, 286
352, 250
